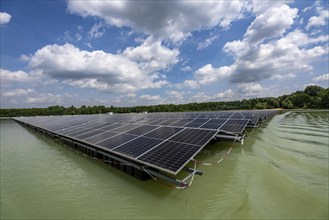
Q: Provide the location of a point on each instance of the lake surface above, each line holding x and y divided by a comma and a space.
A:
280, 172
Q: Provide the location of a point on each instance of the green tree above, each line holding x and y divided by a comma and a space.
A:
313, 90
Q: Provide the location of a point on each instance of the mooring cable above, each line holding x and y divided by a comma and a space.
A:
220, 160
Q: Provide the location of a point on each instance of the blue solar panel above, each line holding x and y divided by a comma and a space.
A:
100, 137
116, 141
234, 125
163, 132
165, 141
142, 129
214, 123
171, 156
125, 128
182, 122
194, 136
137, 146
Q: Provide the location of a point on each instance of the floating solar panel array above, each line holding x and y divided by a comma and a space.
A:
165, 141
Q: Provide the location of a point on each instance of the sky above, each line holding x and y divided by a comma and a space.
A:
129, 53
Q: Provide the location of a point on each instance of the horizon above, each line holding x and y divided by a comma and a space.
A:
144, 53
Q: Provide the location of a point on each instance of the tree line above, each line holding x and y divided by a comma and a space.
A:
312, 97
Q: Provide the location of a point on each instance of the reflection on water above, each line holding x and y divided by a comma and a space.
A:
280, 172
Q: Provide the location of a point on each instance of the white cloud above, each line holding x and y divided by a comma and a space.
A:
186, 69
200, 97
208, 74
235, 48
152, 56
323, 77
203, 97
175, 96
320, 20
293, 53
150, 97
19, 92
88, 44
4, 18
266, 51
316, 3
224, 95
131, 95
189, 84
18, 76
102, 71
283, 76
250, 89
273, 22
173, 20
207, 42
9, 77
44, 98
97, 30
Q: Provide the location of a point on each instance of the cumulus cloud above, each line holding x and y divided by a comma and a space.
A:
283, 76
151, 55
175, 96
323, 77
273, 22
200, 97
19, 76
44, 98
150, 97
4, 18
189, 84
134, 69
250, 89
221, 96
18, 92
266, 51
224, 95
173, 20
208, 73
320, 20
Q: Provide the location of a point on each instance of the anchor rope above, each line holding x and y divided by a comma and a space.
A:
220, 160
173, 186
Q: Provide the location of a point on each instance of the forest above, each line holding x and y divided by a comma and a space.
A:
313, 96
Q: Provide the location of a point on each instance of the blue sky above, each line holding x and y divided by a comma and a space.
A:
127, 53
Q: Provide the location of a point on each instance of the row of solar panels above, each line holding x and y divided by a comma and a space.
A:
165, 141
197, 120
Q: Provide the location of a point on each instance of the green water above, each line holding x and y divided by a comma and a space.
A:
280, 172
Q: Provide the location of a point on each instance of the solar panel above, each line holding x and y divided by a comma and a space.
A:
182, 122
142, 129
116, 141
163, 132
79, 132
125, 128
170, 156
194, 136
137, 146
234, 125
96, 130
158, 121
88, 134
169, 121
100, 137
165, 141
214, 123
80, 129
196, 123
